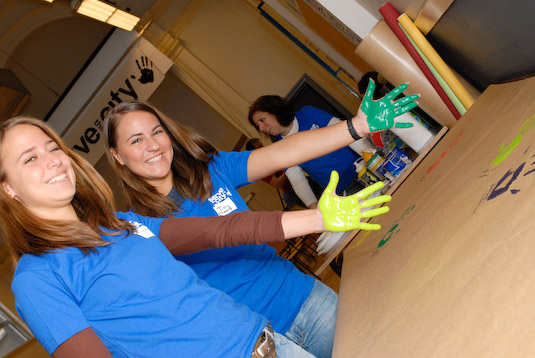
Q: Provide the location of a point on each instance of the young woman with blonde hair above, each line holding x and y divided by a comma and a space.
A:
91, 285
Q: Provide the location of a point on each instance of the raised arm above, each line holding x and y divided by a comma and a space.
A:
301, 147
187, 235
301, 186
373, 115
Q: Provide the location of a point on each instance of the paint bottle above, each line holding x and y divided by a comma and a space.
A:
373, 163
365, 178
376, 165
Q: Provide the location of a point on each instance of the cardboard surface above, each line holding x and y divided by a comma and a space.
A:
451, 273
325, 259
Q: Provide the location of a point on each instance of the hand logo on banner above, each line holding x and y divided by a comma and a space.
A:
344, 213
381, 113
147, 74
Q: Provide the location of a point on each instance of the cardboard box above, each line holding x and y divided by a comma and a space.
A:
452, 271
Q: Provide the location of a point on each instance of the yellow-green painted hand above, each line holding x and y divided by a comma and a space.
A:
344, 213
381, 113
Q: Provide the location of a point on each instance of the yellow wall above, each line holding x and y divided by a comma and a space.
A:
229, 53
32, 349
249, 53
6, 297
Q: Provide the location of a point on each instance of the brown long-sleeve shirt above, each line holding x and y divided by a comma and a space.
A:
186, 235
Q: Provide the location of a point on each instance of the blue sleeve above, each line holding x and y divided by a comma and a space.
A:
153, 224
233, 166
314, 115
48, 308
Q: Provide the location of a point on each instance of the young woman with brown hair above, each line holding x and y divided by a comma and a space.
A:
168, 170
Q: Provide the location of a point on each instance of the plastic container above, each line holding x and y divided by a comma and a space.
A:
396, 161
364, 176
416, 136
375, 164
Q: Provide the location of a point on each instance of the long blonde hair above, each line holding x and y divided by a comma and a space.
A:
191, 155
26, 233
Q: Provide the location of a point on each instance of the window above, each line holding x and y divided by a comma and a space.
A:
307, 92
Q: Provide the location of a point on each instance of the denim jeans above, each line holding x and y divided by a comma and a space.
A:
285, 348
313, 328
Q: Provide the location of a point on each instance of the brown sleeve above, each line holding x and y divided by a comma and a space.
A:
187, 235
84, 344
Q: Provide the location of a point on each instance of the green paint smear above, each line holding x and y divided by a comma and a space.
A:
391, 232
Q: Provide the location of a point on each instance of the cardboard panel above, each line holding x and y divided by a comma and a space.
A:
485, 41
451, 272
429, 14
386, 54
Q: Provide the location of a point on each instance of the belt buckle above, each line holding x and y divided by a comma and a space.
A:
265, 345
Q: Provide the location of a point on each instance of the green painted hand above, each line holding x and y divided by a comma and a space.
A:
344, 213
381, 113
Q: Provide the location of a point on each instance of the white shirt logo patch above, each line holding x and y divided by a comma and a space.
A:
223, 204
142, 230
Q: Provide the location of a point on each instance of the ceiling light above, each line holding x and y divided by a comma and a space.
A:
107, 13
123, 20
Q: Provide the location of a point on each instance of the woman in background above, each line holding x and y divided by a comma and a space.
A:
274, 116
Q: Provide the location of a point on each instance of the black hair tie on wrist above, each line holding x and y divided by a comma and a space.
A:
352, 130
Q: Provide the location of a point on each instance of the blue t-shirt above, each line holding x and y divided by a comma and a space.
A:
136, 296
340, 160
251, 274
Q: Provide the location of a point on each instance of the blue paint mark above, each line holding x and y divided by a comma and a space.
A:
497, 190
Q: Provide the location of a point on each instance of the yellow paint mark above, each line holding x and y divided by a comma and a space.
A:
506, 150
361, 240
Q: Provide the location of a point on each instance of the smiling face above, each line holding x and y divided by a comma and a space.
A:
143, 146
38, 173
267, 123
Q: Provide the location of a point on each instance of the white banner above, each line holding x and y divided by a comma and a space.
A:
335, 21
136, 78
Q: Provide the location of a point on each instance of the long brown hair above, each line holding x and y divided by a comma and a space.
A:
191, 155
27, 233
